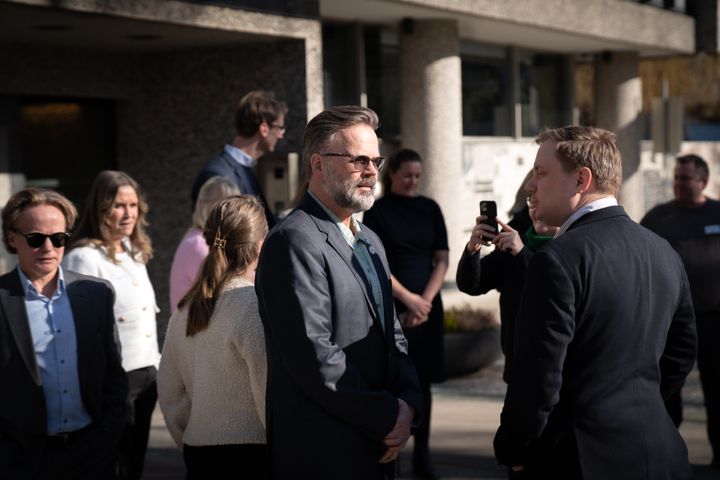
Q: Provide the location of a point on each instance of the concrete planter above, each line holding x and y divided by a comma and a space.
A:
468, 352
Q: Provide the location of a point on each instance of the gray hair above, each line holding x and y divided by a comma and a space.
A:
322, 129
212, 191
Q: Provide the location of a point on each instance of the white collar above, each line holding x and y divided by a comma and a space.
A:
587, 208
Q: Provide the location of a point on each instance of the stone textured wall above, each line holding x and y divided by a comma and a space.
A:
174, 111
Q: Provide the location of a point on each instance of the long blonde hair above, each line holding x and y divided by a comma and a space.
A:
233, 231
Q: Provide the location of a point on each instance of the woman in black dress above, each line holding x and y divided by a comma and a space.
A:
413, 232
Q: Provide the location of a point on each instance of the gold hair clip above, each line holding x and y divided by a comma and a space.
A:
219, 241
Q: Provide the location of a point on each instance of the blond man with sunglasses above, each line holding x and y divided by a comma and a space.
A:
58, 354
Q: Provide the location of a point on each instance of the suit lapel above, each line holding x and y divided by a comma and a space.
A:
241, 176
12, 301
337, 242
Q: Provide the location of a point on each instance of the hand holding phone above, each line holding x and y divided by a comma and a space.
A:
488, 208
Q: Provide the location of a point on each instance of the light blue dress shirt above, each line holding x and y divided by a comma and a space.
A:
362, 250
53, 333
240, 156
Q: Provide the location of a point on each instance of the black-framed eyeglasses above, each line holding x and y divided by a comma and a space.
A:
282, 128
37, 239
360, 162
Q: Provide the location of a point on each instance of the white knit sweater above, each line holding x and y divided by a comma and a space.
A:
211, 386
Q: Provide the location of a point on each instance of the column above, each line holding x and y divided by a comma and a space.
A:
431, 119
618, 102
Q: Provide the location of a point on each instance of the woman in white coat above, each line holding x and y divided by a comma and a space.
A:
110, 243
212, 377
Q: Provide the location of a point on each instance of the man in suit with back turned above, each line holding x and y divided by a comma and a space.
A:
342, 392
63, 404
259, 125
605, 330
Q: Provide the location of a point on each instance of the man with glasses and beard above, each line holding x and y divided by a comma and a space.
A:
65, 388
259, 126
342, 392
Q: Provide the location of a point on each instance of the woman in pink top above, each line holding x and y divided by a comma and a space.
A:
193, 249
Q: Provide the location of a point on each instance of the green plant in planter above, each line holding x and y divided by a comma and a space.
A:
472, 340
466, 318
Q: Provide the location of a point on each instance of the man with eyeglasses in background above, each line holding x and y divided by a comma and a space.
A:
64, 387
691, 223
342, 392
259, 125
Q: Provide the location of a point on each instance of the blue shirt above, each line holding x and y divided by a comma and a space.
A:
53, 332
240, 156
363, 250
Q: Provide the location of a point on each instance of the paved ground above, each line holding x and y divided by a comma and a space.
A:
465, 416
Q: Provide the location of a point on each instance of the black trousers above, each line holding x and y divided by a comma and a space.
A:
136, 432
226, 461
88, 454
708, 327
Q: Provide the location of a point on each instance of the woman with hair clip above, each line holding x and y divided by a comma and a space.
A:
212, 376
412, 230
110, 243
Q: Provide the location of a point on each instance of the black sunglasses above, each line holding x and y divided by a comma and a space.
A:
37, 239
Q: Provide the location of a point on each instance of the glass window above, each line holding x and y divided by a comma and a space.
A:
382, 60
340, 64
543, 91
485, 90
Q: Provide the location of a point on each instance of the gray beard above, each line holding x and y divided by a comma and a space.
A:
345, 195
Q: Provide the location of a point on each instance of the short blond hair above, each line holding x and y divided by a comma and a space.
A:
31, 197
594, 148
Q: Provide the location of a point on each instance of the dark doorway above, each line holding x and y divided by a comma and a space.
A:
65, 142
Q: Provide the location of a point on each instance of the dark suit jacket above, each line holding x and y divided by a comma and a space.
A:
334, 372
605, 331
103, 383
224, 165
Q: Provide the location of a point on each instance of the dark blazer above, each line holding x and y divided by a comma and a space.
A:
103, 383
334, 372
244, 177
605, 332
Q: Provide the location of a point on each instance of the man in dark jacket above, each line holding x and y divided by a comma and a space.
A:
260, 124
63, 404
604, 333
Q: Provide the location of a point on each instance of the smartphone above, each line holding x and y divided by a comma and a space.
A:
489, 209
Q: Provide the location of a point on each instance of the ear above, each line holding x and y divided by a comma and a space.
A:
584, 179
264, 129
11, 238
316, 163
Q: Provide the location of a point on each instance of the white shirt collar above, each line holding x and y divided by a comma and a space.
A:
587, 208
240, 156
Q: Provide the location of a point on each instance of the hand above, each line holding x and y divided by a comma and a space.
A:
417, 306
399, 435
508, 240
480, 236
412, 320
